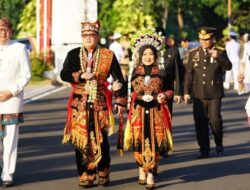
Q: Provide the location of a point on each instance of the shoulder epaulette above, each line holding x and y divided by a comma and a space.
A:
220, 48
191, 50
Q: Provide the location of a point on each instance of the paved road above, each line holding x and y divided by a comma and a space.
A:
45, 164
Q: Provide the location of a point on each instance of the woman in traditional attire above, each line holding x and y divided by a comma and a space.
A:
148, 130
90, 117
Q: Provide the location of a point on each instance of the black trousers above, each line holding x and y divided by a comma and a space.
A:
208, 112
104, 163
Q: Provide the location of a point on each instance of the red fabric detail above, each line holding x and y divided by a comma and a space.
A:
133, 97
68, 127
166, 117
169, 94
108, 94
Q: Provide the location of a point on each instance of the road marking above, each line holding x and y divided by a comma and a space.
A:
28, 100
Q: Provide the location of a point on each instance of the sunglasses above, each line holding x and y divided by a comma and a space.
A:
91, 35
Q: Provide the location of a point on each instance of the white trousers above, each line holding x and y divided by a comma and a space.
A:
232, 73
8, 148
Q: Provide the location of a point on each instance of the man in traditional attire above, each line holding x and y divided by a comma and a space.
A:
15, 74
90, 119
204, 75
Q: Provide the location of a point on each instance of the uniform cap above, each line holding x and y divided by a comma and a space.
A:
206, 32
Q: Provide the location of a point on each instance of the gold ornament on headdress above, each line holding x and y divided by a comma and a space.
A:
152, 38
93, 26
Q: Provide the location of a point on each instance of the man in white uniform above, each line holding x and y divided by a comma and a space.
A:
15, 73
233, 53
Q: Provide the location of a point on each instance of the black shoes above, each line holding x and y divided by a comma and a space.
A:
8, 183
220, 150
203, 155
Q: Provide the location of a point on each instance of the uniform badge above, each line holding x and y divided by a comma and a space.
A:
195, 65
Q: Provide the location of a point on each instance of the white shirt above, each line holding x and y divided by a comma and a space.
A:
246, 61
116, 47
15, 73
233, 51
246, 90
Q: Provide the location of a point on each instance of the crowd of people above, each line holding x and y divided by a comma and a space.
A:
145, 83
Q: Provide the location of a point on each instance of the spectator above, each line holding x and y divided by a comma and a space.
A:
15, 73
233, 53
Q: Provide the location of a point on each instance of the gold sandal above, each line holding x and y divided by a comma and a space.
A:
86, 184
142, 181
150, 186
103, 181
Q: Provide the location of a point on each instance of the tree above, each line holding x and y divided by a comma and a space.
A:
12, 10
240, 12
27, 23
124, 16
179, 17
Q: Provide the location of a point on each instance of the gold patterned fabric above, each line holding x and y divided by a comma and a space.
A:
148, 130
85, 119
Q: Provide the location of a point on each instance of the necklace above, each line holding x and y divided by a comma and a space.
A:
84, 58
91, 85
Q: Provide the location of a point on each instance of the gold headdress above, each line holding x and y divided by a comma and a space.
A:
152, 38
93, 26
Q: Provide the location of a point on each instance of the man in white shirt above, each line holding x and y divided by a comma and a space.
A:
119, 52
233, 53
246, 60
116, 47
15, 73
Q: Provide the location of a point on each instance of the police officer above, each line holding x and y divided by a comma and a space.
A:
204, 83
